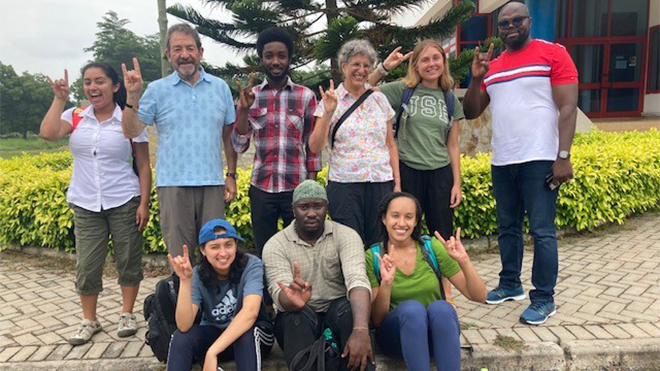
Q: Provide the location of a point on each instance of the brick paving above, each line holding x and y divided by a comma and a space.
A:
608, 289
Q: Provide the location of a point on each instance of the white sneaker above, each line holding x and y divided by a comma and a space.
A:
85, 331
127, 325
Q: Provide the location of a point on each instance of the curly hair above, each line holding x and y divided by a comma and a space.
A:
274, 34
382, 211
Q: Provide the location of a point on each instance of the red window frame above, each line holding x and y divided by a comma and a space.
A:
489, 30
649, 90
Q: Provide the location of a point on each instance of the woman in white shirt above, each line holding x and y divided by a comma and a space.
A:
106, 195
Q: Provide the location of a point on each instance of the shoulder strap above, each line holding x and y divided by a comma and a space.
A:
76, 118
432, 261
313, 355
449, 102
348, 112
375, 249
405, 98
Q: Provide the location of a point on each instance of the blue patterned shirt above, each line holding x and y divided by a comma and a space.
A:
190, 121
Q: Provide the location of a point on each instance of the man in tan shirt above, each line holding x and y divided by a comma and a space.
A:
316, 277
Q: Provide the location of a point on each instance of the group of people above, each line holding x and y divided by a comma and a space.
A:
394, 159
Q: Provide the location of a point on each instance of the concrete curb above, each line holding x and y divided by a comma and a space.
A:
633, 354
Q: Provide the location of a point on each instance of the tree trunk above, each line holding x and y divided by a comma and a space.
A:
331, 15
162, 25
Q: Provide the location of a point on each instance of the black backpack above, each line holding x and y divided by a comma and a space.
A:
159, 312
405, 98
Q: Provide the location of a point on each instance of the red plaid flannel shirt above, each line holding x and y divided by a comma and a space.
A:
281, 122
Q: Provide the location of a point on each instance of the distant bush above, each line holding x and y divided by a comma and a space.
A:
617, 175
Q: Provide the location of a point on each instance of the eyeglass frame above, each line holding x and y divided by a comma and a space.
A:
515, 21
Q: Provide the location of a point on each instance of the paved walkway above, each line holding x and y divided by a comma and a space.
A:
608, 299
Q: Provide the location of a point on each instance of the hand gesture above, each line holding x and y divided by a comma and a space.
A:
246, 94
481, 61
454, 247
132, 79
298, 292
181, 265
387, 269
395, 59
60, 87
329, 98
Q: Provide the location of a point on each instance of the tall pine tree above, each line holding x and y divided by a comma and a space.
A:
319, 28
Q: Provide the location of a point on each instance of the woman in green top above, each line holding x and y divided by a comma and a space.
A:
406, 308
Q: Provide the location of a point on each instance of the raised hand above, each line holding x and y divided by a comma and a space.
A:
132, 79
329, 98
299, 291
246, 94
395, 59
181, 265
387, 269
481, 61
454, 247
60, 87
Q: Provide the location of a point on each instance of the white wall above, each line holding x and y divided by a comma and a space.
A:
651, 105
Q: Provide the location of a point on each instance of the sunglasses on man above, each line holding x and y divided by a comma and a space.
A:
516, 22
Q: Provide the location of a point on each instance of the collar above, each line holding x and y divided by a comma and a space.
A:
264, 84
291, 234
89, 112
175, 78
343, 93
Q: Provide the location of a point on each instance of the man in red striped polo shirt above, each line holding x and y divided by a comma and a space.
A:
532, 90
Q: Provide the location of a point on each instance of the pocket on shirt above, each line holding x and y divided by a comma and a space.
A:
295, 118
258, 118
332, 266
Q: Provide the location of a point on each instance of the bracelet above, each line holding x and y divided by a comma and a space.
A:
131, 107
381, 68
361, 328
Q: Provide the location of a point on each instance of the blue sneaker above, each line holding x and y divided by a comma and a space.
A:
500, 295
537, 313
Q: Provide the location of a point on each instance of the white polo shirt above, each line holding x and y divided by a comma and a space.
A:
103, 176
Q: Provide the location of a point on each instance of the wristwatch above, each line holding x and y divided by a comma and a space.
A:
564, 155
131, 107
233, 175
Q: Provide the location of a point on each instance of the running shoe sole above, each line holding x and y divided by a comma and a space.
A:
516, 298
538, 322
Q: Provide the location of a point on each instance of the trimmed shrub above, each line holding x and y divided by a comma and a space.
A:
616, 175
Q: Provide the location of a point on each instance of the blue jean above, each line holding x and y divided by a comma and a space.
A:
402, 334
519, 190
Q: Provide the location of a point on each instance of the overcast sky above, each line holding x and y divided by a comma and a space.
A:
46, 36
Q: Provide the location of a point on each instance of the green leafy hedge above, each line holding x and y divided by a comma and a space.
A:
617, 175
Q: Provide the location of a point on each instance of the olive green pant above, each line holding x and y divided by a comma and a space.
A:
92, 231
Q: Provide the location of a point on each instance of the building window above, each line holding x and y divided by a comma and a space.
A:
654, 61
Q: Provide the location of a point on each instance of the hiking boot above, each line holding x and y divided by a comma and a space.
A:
127, 325
537, 313
501, 294
85, 331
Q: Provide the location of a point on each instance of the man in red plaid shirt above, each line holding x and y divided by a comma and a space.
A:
279, 114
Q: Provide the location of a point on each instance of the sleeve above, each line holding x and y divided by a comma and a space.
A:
384, 105
148, 107
448, 266
458, 113
320, 109
314, 162
241, 142
142, 138
369, 266
197, 284
393, 91
68, 115
278, 268
351, 256
254, 277
228, 101
563, 69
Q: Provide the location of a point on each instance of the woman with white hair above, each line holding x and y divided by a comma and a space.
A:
364, 160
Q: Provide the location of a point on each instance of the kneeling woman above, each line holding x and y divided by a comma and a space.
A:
228, 287
408, 298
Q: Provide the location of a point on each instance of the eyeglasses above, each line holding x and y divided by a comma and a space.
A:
516, 22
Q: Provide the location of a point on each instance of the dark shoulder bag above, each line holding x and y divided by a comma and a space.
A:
348, 112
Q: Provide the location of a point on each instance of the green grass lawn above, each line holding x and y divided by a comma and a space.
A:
10, 147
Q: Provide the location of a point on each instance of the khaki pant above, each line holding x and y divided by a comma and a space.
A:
183, 212
92, 231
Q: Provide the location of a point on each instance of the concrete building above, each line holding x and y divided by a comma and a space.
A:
615, 45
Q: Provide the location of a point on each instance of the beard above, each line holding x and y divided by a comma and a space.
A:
276, 78
518, 42
187, 71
